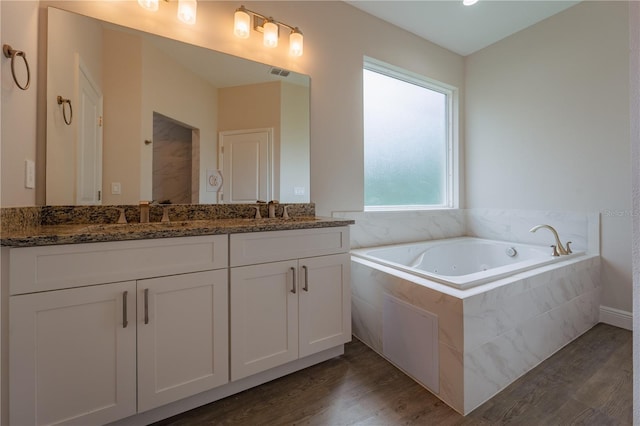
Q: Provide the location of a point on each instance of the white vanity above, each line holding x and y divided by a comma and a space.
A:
136, 331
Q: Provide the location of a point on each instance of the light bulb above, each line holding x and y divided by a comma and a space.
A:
151, 5
295, 42
187, 11
270, 34
242, 23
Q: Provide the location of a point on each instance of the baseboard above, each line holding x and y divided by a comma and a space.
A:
616, 317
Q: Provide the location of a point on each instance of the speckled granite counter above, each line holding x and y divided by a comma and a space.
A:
39, 226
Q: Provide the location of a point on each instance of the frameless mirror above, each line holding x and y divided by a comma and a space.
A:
133, 116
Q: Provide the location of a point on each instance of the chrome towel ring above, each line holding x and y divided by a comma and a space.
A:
10, 52
62, 101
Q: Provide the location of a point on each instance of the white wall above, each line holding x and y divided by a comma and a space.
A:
168, 88
548, 127
123, 89
294, 143
634, 72
74, 40
18, 141
539, 98
333, 59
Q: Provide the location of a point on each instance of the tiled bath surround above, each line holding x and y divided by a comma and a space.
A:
492, 334
382, 228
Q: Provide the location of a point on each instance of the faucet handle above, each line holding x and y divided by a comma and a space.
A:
568, 247
257, 216
165, 214
555, 251
122, 218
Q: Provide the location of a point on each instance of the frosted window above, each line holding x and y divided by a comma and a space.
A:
406, 143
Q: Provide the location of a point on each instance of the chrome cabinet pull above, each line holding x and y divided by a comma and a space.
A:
293, 271
306, 278
146, 306
125, 321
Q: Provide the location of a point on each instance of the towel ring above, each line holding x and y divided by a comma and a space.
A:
62, 101
10, 52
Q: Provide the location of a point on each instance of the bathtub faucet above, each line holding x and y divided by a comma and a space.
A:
559, 246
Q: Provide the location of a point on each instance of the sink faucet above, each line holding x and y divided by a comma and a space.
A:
559, 246
144, 211
272, 208
122, 218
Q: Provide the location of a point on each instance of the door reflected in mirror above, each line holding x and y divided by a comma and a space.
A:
150, 115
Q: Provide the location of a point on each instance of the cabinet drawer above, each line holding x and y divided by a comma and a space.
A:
34, 269
262, 247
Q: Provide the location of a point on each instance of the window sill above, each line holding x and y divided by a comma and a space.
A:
399, 209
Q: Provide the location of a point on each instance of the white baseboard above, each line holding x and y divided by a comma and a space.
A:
616, 317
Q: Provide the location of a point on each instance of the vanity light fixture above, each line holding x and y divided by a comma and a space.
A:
151, 5
186, 9
269, 27
469, 2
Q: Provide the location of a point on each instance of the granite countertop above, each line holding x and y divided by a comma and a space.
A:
43, 235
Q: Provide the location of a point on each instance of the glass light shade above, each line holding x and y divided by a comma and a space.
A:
241, 24
295, 43
187, 11
151, 5
270, 34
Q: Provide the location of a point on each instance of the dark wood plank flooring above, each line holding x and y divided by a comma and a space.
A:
589, 382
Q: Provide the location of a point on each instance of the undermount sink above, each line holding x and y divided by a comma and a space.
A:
192, 224
135, 226
283, 220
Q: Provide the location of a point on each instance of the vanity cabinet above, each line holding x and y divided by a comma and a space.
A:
283, 306
183, 336
72, 359
92, 353
135, 331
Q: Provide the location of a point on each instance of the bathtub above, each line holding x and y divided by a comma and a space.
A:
465, 317
463, 262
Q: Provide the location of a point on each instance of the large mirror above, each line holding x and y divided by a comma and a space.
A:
132, 116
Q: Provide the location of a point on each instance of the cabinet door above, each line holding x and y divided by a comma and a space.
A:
183, 336
264, 317
325, 303
72, 355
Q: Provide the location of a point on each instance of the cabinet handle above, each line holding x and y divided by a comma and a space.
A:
293, 272
146, 306
125, 321
306, 278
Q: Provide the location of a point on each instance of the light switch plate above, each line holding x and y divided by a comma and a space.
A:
29, 174
116, 188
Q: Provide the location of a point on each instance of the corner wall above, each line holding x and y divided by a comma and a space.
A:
634, 98
18, 140
548, 127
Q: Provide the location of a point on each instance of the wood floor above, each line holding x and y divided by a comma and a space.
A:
589, 382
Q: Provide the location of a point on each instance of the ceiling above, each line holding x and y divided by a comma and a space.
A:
463, 29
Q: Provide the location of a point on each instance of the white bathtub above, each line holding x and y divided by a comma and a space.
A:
463, 341
463, 262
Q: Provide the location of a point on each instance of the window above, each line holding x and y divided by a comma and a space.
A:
408, 140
